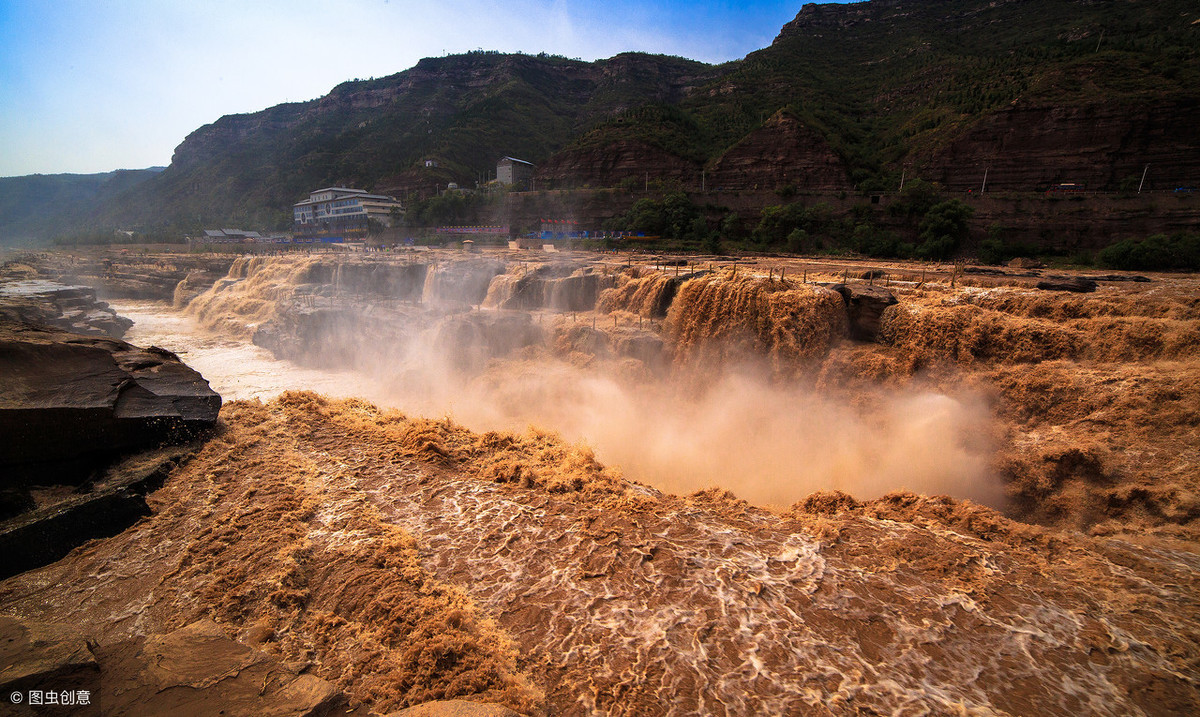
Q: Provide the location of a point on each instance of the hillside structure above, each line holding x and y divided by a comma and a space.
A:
514, 172
341, 211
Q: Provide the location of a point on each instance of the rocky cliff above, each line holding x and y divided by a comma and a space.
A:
780, 153
847, 97
464, 112
611, 164
1100, 145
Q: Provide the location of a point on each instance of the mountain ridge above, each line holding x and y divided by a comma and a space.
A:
940, 89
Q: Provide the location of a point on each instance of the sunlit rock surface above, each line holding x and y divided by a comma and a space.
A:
67, 399
195, 670
70, 308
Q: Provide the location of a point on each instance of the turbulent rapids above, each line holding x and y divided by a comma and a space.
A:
689, 382
588, 486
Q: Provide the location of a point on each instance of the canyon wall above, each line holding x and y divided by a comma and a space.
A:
1030, 148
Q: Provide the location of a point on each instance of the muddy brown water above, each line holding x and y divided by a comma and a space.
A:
408, 559
770, 443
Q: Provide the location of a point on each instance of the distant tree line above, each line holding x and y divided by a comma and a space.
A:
1177, 252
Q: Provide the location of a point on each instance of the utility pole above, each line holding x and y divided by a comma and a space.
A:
902, 171
701, 181
984, 188
1147, 169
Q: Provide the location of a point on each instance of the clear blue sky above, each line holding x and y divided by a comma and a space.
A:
95, 85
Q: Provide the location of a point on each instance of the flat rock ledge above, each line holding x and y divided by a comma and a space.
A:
69, 402
86, 426
196, 670
70, 308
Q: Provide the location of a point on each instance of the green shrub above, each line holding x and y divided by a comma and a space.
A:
873, 241
943, 229
777, 222
915, 200
797, 241
731, 227
993, 251
1179, 252
673, 217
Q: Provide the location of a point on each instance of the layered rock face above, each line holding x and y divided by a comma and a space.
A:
67, 400
609, 164
782, 152
71, 308
1031, 148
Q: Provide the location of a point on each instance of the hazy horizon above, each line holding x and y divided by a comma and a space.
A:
89, 88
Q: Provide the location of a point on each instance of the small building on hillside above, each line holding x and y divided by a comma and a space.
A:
343, 212
514, 172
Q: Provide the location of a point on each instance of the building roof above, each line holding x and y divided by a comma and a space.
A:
214, 233
514, 159
339, 189
355, 194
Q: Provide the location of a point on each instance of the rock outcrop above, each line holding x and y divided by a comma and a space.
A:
1077, 284
195, 670
71, 308
69, 402
36, 531
782, 152
864, 308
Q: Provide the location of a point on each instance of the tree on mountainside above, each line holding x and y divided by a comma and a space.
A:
673, 217
943, 229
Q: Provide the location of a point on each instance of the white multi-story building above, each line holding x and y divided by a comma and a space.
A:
340, 210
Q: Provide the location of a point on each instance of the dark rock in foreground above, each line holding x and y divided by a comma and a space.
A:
864, 307
1077, 284
38, 532
70, 402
